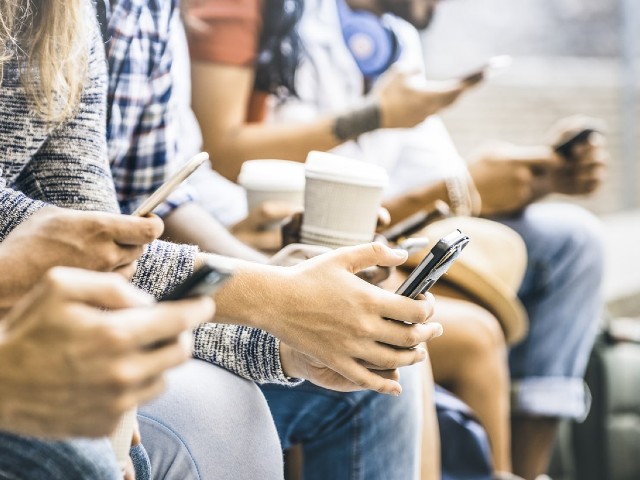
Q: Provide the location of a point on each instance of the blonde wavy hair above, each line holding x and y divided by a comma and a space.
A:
52, 35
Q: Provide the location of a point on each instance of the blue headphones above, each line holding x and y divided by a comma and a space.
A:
373, 44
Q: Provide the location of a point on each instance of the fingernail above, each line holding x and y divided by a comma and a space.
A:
438, 330
422, 353
399, 252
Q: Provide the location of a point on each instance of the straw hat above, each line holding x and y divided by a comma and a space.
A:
490, 269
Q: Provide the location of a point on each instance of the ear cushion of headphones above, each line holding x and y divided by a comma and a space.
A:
373, 45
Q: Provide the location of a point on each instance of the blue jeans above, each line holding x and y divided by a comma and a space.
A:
350, 436
29, 458
561, 292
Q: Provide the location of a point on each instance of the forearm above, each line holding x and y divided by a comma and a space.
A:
220, 98
263, 140
191, 224
422, 198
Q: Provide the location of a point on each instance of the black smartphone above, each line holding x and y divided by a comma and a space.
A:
565, 148
206, 280
416, 222
434, 264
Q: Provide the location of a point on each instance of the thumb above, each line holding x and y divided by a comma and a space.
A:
367, 255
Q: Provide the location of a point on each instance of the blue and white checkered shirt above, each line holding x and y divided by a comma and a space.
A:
141, 130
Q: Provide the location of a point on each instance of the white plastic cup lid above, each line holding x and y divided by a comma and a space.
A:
335, 168
272, 175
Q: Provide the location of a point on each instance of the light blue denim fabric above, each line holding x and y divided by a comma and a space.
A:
24, 458
562, 294
352, 436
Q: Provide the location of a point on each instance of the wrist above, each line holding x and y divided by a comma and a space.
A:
289, 362
353, 124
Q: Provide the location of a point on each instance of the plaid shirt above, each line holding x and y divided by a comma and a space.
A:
141, 130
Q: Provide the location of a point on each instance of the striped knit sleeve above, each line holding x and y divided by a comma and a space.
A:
15, 208
71, 168
248, 352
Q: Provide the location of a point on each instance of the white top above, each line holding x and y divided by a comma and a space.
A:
328, 81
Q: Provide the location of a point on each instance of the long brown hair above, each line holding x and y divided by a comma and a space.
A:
52, 35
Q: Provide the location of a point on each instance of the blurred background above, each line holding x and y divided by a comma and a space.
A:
569, 56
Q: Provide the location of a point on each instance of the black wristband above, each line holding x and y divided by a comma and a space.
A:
353, 124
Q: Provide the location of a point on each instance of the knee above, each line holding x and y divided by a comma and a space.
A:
483, 337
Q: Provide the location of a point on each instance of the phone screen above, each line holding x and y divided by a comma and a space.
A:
161, 194
434, 264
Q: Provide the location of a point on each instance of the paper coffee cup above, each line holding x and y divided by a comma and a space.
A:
121, 437
342, 200
266, 180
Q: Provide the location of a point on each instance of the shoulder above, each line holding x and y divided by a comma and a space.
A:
224, 31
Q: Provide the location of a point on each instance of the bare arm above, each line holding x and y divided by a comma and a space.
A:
421, 198
221, 112
191, 224
221, 95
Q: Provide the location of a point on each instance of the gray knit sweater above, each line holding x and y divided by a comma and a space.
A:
66, 165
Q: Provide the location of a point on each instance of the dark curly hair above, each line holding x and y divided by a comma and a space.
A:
279, 48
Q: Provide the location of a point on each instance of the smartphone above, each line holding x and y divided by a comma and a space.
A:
434, 264
491, 68
565, 148
161, 194
206, 280
416, 222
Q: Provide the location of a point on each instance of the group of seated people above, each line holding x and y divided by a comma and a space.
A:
296, 353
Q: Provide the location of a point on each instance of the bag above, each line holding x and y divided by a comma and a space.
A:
464, 444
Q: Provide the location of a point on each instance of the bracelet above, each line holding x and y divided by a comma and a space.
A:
353, 124
459, 195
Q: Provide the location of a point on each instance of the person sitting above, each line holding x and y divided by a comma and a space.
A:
333, 106
58, 198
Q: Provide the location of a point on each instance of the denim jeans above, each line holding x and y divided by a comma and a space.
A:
24, 458
561, 292
352, 436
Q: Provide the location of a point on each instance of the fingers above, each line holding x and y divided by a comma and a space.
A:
295, 253
365, 379
269, 212
164, 322
398, 334
106, 290
384, 357
384, 218
404, 309
367, 255
375, 275
131, 230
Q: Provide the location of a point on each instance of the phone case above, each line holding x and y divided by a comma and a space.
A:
204, 281
434, 265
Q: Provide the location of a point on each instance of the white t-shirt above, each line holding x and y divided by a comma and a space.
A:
328, 81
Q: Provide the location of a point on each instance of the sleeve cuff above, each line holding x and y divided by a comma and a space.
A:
248, 352
163, 266
16, 208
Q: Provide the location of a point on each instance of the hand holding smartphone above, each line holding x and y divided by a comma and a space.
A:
493, 66
434, 264
161, 194
204, 281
